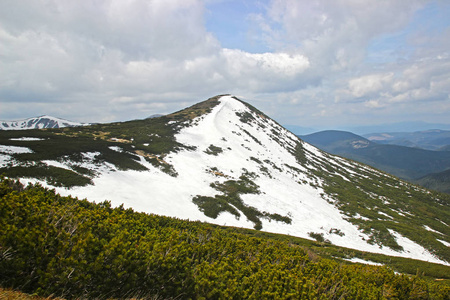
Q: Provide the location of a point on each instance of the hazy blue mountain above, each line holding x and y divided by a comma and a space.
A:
396, 127
434, 139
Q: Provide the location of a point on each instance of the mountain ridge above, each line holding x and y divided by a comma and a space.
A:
39, 122
223, 161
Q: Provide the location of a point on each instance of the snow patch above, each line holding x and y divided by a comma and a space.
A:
385, 214
413, 250
56, 164
444, 242
431, 229
362, 261
14, 149
5, 160
27, 139
90, 155
116, 148
358, 216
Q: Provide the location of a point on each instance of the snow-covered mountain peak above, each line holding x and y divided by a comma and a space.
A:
222, 161
38, 123
234, 135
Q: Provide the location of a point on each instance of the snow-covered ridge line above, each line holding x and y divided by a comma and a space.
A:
38, 123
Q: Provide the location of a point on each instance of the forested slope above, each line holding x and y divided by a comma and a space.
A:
62, 246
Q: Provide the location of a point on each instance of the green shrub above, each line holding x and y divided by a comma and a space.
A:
52, 175
317, 236
65, 247
213, 150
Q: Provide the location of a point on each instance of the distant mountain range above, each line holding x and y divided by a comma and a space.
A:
408, 163
399, 127
396, 127
435, 139
38, 123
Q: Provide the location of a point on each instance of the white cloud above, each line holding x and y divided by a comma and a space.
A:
275, 64
369, 84
336, 37
335, 34
78, 52
373, 104
93, 52
267, 72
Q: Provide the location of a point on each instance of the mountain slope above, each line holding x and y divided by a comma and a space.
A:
404, 162
437, 181
37, 123
224, 162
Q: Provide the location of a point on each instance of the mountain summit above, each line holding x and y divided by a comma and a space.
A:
223, 161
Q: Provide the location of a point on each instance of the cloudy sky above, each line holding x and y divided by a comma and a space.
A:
312, 63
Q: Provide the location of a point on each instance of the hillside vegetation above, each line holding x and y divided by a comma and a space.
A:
62, 246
